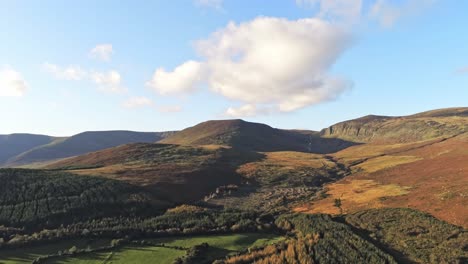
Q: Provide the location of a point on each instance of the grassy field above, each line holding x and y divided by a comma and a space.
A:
220, 245
223, 244
130, 254
27, 255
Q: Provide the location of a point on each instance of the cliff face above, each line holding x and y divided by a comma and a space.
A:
385, 129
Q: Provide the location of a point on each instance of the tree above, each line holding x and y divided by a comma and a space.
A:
338, 204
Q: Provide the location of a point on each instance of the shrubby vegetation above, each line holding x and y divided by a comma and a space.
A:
418, 236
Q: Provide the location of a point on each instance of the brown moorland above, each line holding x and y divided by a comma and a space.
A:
431, 176
175, 173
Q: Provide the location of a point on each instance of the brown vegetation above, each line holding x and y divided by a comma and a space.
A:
431, 176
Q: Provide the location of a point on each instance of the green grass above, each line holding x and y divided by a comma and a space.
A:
220, 246
27, 255
129, 254
231, 242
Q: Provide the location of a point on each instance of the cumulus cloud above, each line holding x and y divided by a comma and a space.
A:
387, 13
216, 4
102, 52
267, 63
345, 10
182, 79
137, 102
110, 81
11, 83
72, 72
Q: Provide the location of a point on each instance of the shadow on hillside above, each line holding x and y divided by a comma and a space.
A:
196, 184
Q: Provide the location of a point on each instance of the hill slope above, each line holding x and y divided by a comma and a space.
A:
253, 136
83, 143
15, 144
423, 126
175, 173
431, 176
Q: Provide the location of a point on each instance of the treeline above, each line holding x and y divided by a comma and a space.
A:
313, 239
294, 251
180, 223
337, 242
41, 198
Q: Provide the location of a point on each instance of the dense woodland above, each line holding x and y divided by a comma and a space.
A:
36, 198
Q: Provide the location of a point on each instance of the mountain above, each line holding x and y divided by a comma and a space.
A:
15, 144
81, 144
387, 129
254, 136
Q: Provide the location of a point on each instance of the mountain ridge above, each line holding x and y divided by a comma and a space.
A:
400, 129
82, 143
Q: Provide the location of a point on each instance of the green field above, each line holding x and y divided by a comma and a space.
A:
220, 245
129, 254
27, 255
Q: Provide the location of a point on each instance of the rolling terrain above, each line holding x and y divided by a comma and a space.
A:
15, 144
177, 173
371, 190
254, 136
20, 150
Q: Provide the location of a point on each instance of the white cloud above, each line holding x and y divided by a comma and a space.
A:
387, 13
216, 4
102, 52
345, 10
137, 102
170, 109
244, 111
11, 83
110, 81
183, 79
72, 72
275, 63
269, 64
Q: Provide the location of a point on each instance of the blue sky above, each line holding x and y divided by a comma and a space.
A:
73, 66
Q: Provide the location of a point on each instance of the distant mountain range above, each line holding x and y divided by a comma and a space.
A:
27, 149
21, 149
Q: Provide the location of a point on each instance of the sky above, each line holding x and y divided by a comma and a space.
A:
73, 66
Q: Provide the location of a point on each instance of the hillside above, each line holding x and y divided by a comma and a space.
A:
83, 143
254, 136
431, 176
385, 129
52, 198
175, 173
15, 144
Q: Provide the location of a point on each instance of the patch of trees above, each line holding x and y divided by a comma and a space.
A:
195, 254
168, 224
293, 251
337, 243
418, 236
41, 198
